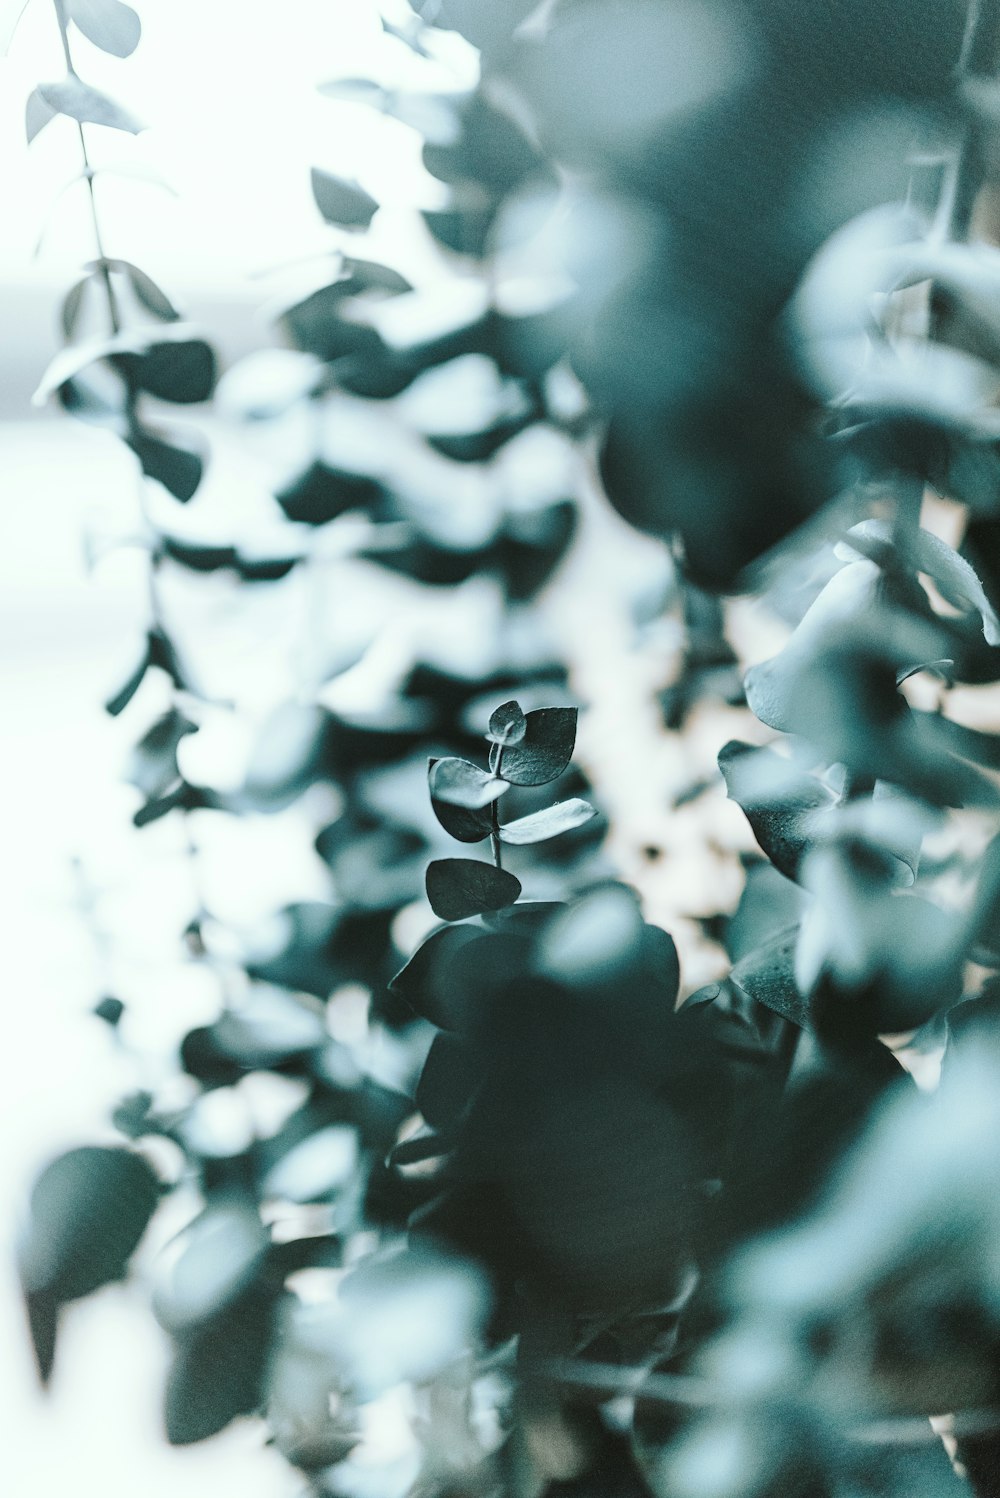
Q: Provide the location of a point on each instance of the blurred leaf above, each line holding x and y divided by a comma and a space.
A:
507, 724
778, 800
43, 1319
319, 494
955, 578
428, 980
219, 1371
448, 1080
546, 748
109, 24
316, 1167
152, 767
341, 202
181, 370
37, 114
72, 306
463, 230
72, 97
178, 469
460, 887
145, 288
87, 1212
110, 1011
210, 1265
563, 816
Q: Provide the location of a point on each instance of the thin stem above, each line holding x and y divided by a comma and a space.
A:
495, 810
88, 173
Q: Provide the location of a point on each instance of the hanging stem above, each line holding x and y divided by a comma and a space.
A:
495, 808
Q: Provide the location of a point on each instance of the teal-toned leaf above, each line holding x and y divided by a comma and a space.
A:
545, 749
461, 783
342, 202
109, 24
549, 822
37, 114
460, 887
86, 105
507, 724
178, 469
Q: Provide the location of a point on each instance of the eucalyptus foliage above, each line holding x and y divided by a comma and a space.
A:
593, 1232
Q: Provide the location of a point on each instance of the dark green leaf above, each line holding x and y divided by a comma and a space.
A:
218, 1371
549, 822
768, 975
546, 748
72, 97
43, 1320
121, 699
152, 768
448, 1080
342, 202
507, 724
110, 1011
181, 370
778, 800
460, 887
88, 1210
427, 982
178, 469
461, 783
109, 24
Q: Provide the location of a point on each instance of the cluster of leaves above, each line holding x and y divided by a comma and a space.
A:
579, 1187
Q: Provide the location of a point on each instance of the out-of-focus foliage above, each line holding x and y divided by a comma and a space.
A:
575, 1228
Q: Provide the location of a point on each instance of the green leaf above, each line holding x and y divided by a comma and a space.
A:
563, 816
545, 749
181, 370
120, 700
86, 105
87, 1212
460, 887
507, 724
777, 799
461, 783
144, 287
955, 579
210, 1266
219, 1370
152, 768
341, 202
465, 825
37, 114
427, 980
178, 469
109, 24
448, 1080
768, 975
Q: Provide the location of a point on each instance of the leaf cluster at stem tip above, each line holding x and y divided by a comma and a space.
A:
526, 749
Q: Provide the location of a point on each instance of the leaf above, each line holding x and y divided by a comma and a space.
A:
507, 724
72, 307
426, 982
342, 202
86, 105
43, 1319
777, 799
317, 1167
37, 114
461, 783
211, 1265
460, 887
465, 825
545, 749
181, 370
768, 975
153, 768
448, 1080
218, 1371
87, 1212
178, 469
563, 816
121, 699
109, 24
145, 288
956, 580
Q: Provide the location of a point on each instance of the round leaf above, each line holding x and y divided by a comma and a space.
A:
545, 749
460, 887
